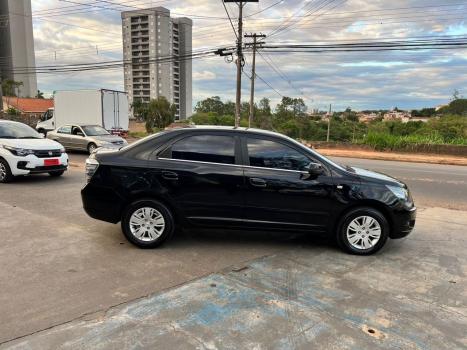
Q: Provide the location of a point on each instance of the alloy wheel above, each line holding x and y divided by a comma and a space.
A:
147, 224
363, 232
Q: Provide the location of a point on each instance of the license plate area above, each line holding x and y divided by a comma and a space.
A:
51, 162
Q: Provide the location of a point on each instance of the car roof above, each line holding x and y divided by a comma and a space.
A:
226, 128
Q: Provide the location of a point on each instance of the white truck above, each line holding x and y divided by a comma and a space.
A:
106, 108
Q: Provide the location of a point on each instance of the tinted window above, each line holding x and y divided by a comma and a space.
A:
65, 130
206, 148
270, 154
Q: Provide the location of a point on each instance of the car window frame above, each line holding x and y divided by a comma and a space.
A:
79, 129
165, 152
246, 156
65, 126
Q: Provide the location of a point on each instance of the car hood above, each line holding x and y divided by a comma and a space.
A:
365, 174
108, 138
36, 144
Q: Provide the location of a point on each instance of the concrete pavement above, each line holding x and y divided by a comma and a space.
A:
412, 295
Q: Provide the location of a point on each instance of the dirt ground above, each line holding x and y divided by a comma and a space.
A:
401, 157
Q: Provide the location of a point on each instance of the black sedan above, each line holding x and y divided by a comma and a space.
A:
245, 179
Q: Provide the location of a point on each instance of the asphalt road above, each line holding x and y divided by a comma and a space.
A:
432, 185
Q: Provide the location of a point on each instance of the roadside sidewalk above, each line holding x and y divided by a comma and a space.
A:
401, 157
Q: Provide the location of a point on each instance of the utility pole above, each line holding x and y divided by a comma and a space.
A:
329, 123
253, 76
238, 98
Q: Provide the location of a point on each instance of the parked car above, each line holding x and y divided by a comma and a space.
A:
246, 179
86, 138
23, 151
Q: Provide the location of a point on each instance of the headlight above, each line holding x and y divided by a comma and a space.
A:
104, 143
91, 167
62, 150
21, 152
399, 192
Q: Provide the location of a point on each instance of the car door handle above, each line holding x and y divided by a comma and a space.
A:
169, 175
257, 182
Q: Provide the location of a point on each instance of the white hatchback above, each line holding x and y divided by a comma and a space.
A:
23, 151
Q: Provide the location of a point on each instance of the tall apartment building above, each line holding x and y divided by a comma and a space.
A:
17, 44
154, 45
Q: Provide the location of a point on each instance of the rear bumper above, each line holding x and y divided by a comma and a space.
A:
101, 203
403, 223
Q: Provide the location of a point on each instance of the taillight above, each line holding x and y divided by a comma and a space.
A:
91, 167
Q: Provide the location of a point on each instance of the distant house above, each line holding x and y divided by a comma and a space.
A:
367, 117
32, 107
404, 117
397, 115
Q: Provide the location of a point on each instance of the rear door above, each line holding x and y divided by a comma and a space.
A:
115, 109
279, 191
63, 136
202, 175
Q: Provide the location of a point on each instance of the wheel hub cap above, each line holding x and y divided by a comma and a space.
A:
363, 232
147, 224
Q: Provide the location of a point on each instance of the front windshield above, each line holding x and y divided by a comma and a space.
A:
94, 130
17, 131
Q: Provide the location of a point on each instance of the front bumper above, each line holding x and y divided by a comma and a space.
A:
403, 223
35, 165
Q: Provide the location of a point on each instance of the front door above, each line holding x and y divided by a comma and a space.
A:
203, 175
280, 193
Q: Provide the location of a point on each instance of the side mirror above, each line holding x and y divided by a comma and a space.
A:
314, 169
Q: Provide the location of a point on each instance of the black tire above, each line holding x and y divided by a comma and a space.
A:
5, 171
343, 240
91, 147
158, 207
57, 173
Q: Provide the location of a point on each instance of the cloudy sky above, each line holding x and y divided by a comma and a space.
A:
67, 32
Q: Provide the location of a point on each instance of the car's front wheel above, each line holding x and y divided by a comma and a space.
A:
147, 223
92, 147
363, 231
5, 172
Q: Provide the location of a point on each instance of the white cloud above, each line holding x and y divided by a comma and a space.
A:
204, 75
363, 80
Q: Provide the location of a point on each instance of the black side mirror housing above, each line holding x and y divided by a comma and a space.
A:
315, 169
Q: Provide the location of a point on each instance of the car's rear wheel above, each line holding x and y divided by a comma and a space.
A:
147, 223
5, 172
56, 173
91, 147
363, 231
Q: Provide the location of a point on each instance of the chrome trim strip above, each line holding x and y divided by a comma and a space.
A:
250, 221
234, 165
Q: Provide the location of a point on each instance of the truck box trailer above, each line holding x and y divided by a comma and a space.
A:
107, 108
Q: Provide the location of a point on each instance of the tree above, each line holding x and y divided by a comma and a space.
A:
211, 104
455, 95
9, 87
40, 94
160, 113
140, 110
264, 106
